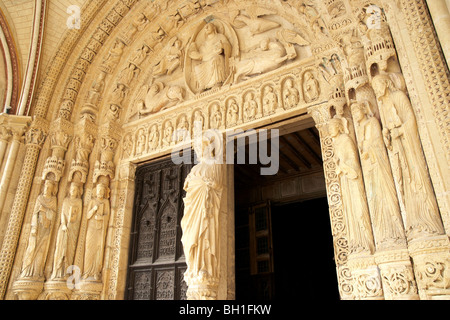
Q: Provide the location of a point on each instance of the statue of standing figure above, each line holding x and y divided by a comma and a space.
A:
401, 136
200, 223
381, 194
68, 232
352, 188
97, 224
42, 222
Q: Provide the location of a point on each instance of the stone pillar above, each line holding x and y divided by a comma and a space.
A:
14, 126
35, 138
358, 275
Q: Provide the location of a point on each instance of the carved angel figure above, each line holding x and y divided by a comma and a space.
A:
97, 223
172, 59
401, 136
41, 228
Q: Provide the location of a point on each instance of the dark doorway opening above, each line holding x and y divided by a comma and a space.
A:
284, 245
303, 252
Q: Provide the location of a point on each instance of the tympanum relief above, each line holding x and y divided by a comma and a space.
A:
194, 62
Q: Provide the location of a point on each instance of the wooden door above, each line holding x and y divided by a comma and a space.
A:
157, 263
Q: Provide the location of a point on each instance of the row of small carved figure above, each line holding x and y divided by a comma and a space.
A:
174, 131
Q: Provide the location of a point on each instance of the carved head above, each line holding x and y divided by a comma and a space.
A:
101, 191
380, 84
359, 112
49, 188
210, 29
335, 127
75, 190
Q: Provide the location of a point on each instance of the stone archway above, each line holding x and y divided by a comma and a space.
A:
121, 108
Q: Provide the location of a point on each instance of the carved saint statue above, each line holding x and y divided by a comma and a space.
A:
232, 113
270, 101
401, 136
41, 229
97, 222
311, 87
216, 117
212, 55
200, 223
66, 240
352, 188
168, 134
381, 194
250, 107
291, 95
153, 138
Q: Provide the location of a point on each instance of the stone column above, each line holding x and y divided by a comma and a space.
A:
9, 165
35, 138
358, 274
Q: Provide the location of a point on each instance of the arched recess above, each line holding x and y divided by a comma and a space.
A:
12, 68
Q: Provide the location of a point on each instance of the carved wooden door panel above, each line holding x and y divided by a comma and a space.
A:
157, 263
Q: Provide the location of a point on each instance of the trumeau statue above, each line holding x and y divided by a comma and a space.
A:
97, 222
200, 222
401, 136
381, 194
42, 222
68, 232
352, 188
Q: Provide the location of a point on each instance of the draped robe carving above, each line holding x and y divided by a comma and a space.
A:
200, 224
402, 138
97, 222
352, 188
41, 229
381, 194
